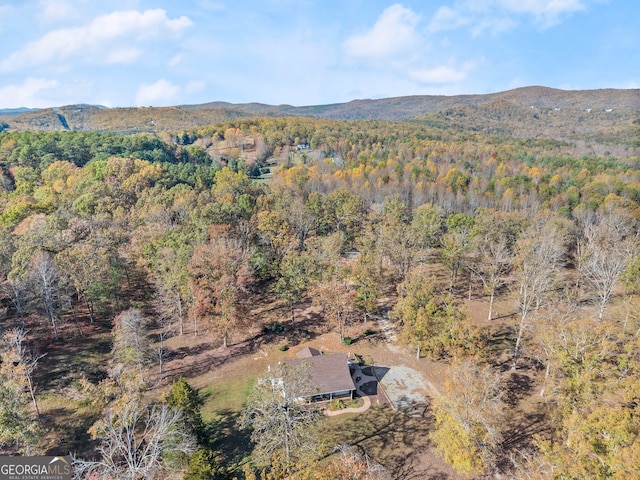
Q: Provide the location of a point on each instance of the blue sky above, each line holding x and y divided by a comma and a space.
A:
163, 52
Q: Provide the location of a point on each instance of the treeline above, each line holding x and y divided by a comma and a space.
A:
87, 219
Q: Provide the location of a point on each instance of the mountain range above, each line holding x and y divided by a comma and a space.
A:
524, 111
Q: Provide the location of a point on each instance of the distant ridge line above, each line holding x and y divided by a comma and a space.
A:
82, 117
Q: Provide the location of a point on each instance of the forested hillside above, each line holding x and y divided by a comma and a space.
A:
499, 239
532, 104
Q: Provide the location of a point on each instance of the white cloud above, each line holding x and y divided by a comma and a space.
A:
29, 94
94, 41
443, 74
56, 10
498, 16
493, 25
160, 93
447, 18
175, 60
124, 56
212, 6
546, 12
543, 7
393, 33
395, 48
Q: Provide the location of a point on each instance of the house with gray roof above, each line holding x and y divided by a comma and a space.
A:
329, 375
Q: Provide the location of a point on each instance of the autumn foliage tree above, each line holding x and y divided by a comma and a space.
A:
336, 296
398, 241
433, 324
171, 280
605, 443
469, 414
220, 274
19, 428
87, 266
455, 244
295, 278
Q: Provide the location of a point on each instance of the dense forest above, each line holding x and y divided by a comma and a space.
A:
117, 248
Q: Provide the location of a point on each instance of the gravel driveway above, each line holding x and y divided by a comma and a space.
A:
403, 385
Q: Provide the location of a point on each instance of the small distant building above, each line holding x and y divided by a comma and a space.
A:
330, 375
303, 147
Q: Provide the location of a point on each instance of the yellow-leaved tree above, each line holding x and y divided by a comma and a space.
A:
469, 413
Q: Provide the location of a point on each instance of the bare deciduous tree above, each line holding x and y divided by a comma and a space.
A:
136, 441
348, 463
281, 423
48, 289
161, 352
604, 254
18, 427
491, 262
17, 291
130, 343
538, 258
16, 339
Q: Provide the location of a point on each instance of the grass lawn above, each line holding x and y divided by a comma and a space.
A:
223, 402
228, 395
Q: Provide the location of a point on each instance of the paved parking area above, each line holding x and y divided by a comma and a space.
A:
404, 386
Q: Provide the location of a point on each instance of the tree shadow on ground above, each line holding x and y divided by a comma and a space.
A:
390, 438
305, 328
69, 359
519, 435
517, 387
206, 361
71, 432
228, 440
499, 341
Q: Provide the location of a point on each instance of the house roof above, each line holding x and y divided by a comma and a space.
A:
329, 373
308, 352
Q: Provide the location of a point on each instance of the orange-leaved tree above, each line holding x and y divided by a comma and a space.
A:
220, 274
